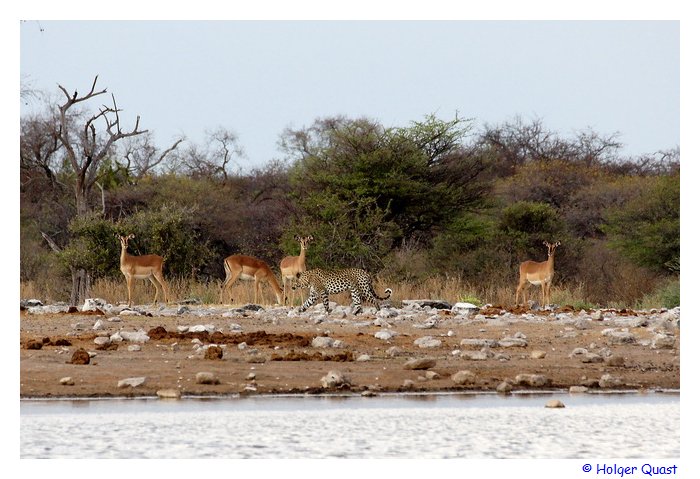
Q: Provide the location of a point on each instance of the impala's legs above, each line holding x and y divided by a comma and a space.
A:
155, 285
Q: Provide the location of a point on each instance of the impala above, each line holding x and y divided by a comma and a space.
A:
538, 273
291, 265
149, 266
249, 269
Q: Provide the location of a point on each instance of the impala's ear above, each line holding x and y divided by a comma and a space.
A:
311, 238
296, 238
131, 236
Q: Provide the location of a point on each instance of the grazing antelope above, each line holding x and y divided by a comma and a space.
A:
538, 273
149, 266
291, 265
249, 269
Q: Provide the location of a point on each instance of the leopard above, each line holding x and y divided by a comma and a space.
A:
321, 283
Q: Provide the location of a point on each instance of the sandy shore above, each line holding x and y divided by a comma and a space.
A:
273, 351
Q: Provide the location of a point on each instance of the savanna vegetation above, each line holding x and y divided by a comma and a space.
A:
437, 207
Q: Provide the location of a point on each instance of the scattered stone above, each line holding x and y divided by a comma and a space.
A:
554, 403
478, 343
538, 354
591, 358
67, 381
463, 377
394, 351
102, 340
133, 382
578, 389
532, 380
363, 358
578, 352
94, 304
34, 344
334, 379
609, 381
512, 342
385, 334
206, 378
80, 356
427, 342
590, 383
368, 393
214, 352
168, 393
615, 361
251, 376
475, 355
431, 375
464, 308
139, 336
428, 324
429, 303
662, 341
419, 363
98, 325
504, 387
408, 384
134, 348
619, 337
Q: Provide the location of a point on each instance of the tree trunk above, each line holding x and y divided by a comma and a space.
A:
81, 286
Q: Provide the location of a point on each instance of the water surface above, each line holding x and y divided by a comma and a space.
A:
426, 426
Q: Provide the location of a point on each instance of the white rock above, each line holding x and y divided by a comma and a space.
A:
333, 379
134, 347
322, 342
464, 308
101, 340
363, 358
93, 304
133, 382
463, 377
427, 342
385, 334
139, 336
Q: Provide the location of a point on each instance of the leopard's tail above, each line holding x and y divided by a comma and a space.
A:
387, 291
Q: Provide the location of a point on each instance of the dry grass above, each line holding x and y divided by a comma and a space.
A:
451, 289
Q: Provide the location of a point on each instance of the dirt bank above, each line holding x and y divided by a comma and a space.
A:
273, 352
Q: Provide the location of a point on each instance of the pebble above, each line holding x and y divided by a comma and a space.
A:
554, 403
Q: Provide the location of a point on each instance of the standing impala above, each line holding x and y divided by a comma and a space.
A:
538, 273
291, 265
250, 269
149, 266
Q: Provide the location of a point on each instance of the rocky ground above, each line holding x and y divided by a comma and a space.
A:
101, 350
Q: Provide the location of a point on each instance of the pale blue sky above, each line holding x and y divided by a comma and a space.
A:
257, 78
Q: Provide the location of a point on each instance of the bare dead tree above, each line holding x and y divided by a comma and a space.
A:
85, 149
214, 159
39, 146
142, 156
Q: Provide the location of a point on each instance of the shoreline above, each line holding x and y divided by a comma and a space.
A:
421, 349
400, 394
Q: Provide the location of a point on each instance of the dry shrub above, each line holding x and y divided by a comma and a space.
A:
609, 279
